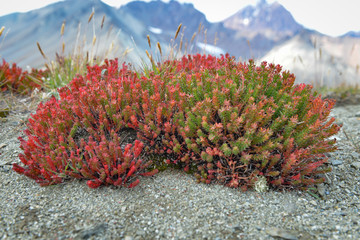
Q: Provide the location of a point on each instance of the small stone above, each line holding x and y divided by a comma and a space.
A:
140, 232
97, 230
278, 232
128, 238
289, 207
237, 227
321, 189
336, 162
340, 213
356, 165
355, 155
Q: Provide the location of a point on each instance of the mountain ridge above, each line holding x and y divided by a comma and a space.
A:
252, 32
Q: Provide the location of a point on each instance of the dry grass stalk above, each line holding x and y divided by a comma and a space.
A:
102, 22
159, 47
60, 59
177, 31
47, 67
127, 51
147, 54
150, 57
41, 51
2, 30
91, 16
111, 47
193, 37
181, 43
63, 47
148, 39
205, 36
186, 48
62, 29
216, 39
94, 40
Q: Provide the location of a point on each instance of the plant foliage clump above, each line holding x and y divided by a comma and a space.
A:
235, 123
13, 78
79, 135
239, 121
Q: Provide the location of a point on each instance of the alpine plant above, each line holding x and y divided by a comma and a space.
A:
229, 122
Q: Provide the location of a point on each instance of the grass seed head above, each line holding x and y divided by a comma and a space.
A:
102, 22
91, 16
177, 31
193, 37
159, 47
2, 30
181, 43
41, 51
148, 39
150, 57
62, 29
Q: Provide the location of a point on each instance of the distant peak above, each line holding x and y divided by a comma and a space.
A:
261, 3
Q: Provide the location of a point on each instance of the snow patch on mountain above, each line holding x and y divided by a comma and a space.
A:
246, 21
208, 48
155, 30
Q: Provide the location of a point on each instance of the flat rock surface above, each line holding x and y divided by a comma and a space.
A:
171, 205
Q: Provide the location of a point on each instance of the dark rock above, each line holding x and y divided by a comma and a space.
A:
97, 230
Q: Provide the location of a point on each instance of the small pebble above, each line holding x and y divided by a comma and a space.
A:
336, 162
356, 165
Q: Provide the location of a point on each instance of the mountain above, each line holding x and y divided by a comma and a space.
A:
153, 13
267, 26
128, 27
272, 21
43, 26
193, 21
313, 57
352, 34
318, 59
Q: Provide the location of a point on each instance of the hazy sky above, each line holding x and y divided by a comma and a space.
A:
332, 17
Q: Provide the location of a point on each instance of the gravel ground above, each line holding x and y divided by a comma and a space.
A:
171, 205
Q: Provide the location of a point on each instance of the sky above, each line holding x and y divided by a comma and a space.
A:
331, 17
